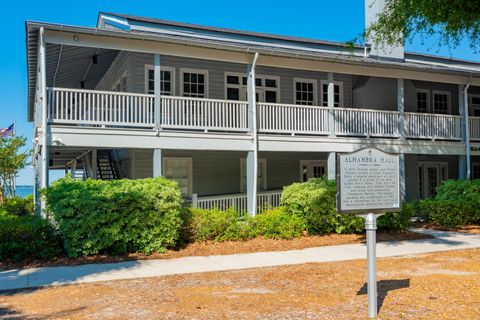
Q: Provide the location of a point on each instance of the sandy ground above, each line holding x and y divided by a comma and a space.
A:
443, 285
228, 247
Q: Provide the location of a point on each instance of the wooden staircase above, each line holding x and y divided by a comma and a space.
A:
107, 165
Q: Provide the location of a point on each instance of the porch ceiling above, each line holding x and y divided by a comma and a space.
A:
60, 156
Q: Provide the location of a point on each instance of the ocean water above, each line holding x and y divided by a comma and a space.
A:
23, 191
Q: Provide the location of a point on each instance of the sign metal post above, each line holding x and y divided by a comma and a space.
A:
368, 184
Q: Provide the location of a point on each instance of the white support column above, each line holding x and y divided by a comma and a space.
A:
332, 166
401, 131
157, 92
157, 163
462, 160
252, 157
94, 164
331, 104
43, 105
463, 108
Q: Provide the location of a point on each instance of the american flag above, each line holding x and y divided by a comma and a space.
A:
7, 131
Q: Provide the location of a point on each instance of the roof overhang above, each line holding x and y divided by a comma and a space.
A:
271, 54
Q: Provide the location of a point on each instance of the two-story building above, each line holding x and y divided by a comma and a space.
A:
234, 116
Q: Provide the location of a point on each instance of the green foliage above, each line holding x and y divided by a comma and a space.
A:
27, 238
219, 225
456, 204
453, 20
12, 160
397, 221
278, 224
18, 206
118, 216
315, 202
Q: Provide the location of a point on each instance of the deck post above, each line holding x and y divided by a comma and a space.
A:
465, 128
401, 132
158, 93
331, 166
252, 157
157, 163
43, 105
331, 104
94, 164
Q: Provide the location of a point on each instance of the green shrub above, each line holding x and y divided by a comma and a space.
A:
315, 202
278, 224
27, 237
397, 221
19, 206
118, 216
219, 225
448, 213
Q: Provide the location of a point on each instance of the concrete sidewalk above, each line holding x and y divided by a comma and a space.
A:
48, 276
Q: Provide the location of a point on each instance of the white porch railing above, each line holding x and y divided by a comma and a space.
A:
475, 128
432, 126
370, 123
121, 109
265, 200
293, 119
204, 114
78, 106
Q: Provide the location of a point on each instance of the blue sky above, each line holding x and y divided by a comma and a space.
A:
339, 20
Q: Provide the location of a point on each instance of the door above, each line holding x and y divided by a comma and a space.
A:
179, 170
431, 176
312, 169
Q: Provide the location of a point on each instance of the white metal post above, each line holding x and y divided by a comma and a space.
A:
332, 166
157, 92
157, 162
43, 104
331, 104
371, 229
401, 132
252, 157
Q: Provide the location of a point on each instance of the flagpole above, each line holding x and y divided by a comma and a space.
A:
14, 176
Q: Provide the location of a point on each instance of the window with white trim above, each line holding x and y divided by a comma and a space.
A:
430, 176
261, 174
476, 170
423, 101
312, 169
179, 170
267, 87
337, 93
441, 102
305, 91
167, 80
474, 104
194, 83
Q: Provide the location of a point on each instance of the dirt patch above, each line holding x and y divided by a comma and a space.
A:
334, 290
210, 248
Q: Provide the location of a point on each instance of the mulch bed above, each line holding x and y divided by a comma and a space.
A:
209, 248
472, 229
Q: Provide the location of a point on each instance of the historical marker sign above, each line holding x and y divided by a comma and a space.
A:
368, 181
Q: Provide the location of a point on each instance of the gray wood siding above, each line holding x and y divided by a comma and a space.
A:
121, 64
216, 76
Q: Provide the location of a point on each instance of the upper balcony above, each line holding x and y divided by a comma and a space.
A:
91, 108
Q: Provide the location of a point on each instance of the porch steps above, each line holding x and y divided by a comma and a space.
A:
107, 166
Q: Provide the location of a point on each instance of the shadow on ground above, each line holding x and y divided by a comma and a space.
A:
385, 286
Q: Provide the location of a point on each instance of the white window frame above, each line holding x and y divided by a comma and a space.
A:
243, 88
197, 71
340, 92
243, 168
421, 165
305, 80
449, 100
149, 67
309, 163
475, 164
429, 99
165, 161
472, 107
